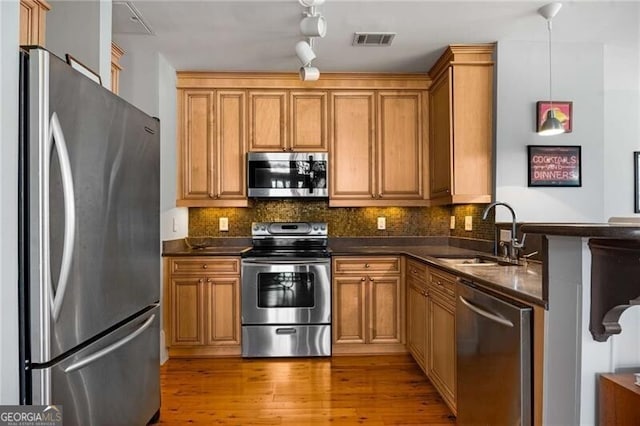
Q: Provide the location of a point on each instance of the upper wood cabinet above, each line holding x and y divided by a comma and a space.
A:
400, 146
352, 147
32, 21
268, 120
212, 148
461, 125
373, 125
308, 121
378, 148
116, 54
282, 120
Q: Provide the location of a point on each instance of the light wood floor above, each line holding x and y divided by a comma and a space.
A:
378, 390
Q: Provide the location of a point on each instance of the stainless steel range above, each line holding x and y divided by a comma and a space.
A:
286, 291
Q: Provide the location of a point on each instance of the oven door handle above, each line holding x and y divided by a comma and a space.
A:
310, 261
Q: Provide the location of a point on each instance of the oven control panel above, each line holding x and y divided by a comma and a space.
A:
271, 229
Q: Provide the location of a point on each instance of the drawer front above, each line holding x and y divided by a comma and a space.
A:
345, 265
417, 270
214, 265
442, 282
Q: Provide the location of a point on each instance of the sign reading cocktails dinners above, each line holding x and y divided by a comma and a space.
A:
554, 165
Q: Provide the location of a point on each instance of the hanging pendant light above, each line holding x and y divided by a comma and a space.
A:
551, 125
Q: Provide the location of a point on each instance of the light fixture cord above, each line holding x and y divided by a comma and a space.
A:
550, 73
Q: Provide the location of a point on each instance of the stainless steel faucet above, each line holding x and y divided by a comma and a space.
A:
514, 245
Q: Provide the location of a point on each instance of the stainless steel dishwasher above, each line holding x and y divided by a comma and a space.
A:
493, 338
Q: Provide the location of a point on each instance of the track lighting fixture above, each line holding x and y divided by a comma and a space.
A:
313, 25
309, 73
311, 3
305, 52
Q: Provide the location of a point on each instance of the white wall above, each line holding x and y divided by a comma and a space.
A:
602, 78
523, 79
9, 19
72, 28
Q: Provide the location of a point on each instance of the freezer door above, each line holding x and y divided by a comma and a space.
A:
114, 381
93, 195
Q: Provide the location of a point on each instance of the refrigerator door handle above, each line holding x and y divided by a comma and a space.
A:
107, 350
56, 136
486, 314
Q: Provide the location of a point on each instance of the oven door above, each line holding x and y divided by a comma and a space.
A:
291, 291
282, 174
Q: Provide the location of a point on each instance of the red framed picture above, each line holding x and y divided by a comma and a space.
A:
564, 113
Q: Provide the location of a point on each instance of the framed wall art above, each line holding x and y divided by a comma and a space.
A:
636, 181
79, 66
559, 165
564, 113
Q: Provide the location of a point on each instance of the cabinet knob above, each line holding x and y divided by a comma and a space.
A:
363, 279
212, 195
290, 149
284, 149
201, 280
205, 266
379, 195
366, 265
370, 279
413, 271
209, 280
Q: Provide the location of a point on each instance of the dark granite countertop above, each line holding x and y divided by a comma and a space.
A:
523, 282
596, 230
206, 246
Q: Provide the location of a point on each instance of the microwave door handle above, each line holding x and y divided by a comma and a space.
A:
310, 178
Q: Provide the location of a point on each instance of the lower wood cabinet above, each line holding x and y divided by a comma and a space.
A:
431, 326
368, 305
202, 305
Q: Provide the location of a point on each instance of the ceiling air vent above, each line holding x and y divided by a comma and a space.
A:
373, 39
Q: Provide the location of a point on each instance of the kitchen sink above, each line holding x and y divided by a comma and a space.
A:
474, 261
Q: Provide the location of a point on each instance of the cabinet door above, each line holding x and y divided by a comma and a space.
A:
231, 145
385, 309
197, 145
442, 352
223, 309
187, 311
400, 143
352, 147
473, 132
349, 309
32, 22
440, 122
267, 120
308, 121
417, 321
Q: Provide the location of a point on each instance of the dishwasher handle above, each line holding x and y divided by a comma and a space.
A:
489, 315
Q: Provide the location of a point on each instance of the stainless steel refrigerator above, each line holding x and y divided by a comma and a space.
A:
89, 248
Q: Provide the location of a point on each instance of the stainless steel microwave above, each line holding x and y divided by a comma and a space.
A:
287, 174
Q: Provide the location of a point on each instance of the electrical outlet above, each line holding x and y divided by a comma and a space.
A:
174, 225
452, 223
223, 224
468, 223
382, 223
505, 235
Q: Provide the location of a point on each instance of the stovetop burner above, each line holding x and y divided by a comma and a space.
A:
286, 253
289, 239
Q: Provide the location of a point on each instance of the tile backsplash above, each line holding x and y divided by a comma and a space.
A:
343, 222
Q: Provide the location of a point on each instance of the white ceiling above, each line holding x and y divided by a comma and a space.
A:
260, 35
